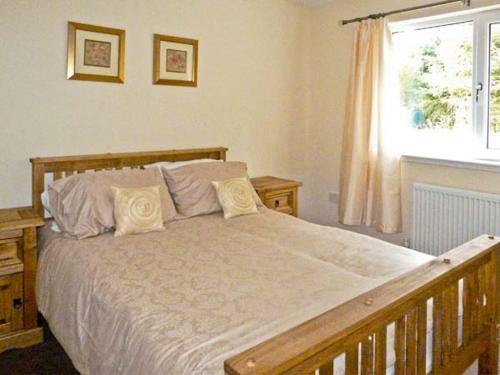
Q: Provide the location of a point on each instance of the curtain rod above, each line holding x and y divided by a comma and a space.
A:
418, 7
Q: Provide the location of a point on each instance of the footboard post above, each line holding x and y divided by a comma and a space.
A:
488, 361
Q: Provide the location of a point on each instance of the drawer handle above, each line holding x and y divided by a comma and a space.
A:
276, 203
17, 303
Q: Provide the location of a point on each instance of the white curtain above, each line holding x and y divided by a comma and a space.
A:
370, 191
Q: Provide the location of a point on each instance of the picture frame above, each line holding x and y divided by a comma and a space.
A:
95, 53
175, 61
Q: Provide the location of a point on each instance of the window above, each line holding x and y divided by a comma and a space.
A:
449, 77
494, 88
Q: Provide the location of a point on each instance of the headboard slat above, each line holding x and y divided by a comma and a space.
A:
79, 164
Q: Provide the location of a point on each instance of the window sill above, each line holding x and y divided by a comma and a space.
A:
455, 162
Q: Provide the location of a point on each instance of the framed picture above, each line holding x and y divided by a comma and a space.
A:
96, 53
175, 61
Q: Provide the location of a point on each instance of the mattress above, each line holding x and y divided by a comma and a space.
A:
183, 300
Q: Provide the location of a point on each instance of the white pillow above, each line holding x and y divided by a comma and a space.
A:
46, 205
45, 201
178, 164
54, 227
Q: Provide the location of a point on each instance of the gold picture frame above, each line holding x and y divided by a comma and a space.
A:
95, 53
175, 61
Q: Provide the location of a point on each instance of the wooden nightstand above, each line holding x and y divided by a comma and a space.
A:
18, 262
277, 193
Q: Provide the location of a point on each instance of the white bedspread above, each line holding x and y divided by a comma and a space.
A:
184, 300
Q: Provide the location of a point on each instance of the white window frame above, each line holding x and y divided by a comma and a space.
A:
481, 69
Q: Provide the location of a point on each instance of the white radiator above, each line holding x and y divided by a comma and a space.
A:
444, 218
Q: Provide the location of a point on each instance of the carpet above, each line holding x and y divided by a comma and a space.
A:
47, 358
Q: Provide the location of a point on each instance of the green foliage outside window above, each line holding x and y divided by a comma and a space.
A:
495, 84
438, 89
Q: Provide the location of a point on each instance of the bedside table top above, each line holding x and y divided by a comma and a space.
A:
19, 218
265, 183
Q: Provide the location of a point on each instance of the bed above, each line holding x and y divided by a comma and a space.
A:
260, 294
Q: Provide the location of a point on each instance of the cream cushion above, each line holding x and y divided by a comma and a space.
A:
137, 210
236, 197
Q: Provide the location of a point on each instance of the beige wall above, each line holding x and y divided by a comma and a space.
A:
272, 87
252, 94
331, 46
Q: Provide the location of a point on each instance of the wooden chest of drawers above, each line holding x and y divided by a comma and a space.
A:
18, 261
277, 193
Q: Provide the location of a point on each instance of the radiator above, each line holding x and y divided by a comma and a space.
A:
444, 218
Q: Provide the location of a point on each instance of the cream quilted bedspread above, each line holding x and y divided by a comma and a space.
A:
184, 300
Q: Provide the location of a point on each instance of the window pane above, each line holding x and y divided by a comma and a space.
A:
494, 117
435, 73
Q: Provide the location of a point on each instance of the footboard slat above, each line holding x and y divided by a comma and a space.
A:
351, 360
475, 305
381, 351
437, 333
482, 314
312, 345
422, 338
367, 356
411, 343
467, 314
326, 369
453, 311
446, 325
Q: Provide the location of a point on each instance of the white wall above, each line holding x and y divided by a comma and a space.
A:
252, 94
331, 57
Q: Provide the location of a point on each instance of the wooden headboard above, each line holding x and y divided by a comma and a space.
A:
63, 166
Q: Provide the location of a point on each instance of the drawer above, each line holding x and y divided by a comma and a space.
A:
10, 251
15, 233
282, 201
11, 303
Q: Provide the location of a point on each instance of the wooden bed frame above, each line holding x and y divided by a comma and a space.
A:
63, 166
358, 327
362, 323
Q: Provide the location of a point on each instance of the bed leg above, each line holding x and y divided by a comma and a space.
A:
488, 361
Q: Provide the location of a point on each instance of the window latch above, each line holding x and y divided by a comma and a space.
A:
479, 89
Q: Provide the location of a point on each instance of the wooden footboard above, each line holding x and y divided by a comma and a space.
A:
463, 286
